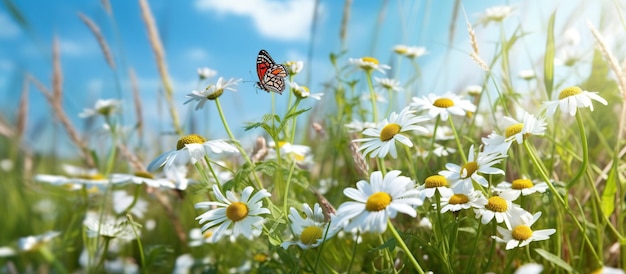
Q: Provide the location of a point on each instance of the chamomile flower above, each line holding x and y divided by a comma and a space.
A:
476, 164
77, 177
234, 216
529, 268
442, 106
35, 242
388, 84
102, 107
381, 140
500, 208
299, 153
211, 92
109, 227
432, 184
520, 187
515, 131
369, 64
198, 238
520, 234
377, 201
313, 229
474, 90
175, 178
496, 14
303, 92
204, 73
527, 74
462, 199
410, 52
294, 67
190, 149
571, 99
358, 126
367, 97
122, 201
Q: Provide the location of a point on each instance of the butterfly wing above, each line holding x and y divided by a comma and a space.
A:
271, 75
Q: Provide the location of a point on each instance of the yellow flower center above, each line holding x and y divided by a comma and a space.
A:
144, 174
443, 103
389, 131
95, 176
522, 232
281, 144
401, 50
310, 235
260, 257
468, 169
369, 59
515, 129
435, 181
215, 94
378, 201
521, 184
496, 204
570, 91
237, 211
189, 139
458, 199
207, 234
302, 92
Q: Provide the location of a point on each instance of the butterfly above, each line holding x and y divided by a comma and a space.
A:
271, 75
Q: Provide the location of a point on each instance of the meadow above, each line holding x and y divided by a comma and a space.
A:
519, 172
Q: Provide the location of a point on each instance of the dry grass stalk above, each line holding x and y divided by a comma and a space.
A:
132, 158
103, 44
159, 54
22, 112
343, 31
475, 54
359, 161
55, 97
106, 5
5, 129
260, 150
327, 208
137, 102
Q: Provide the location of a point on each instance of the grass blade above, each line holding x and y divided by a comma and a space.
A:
548, 62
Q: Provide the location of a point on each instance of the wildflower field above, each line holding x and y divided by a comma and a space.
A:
516, 170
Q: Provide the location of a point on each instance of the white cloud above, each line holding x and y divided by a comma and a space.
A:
284, 20
9, 29
70, 47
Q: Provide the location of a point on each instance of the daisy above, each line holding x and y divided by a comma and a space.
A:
190, 149
527, 74
474, 90
465, 198
520, 234
515, 131
31, 243
198, 238
476, 164
358, 126
300, 153
294, 67
571, 99
388, 84
77, 177
382, 139
520, 187
313, 229
367, 97
175, 178
378, 201
410, 52
234, 216
122, 202
205, 73
211, 92
442, 106
303, 92
368, 64
501, 208
102, 107
529, 268
109, 227
496, 14
432, 184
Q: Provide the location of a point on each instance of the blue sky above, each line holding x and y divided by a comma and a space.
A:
226, 36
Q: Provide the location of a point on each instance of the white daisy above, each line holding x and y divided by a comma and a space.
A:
529, 268
520, 234
31, 243
313, 229
432, 184
389, 84
175, 178
378, 201
496, 14
571, 99
211, 92
410, 52
515, 131
476, 164
442, 106
527, 74
367, 97
303, 92
109, 227
520, 187
501, 208
294, 67
368, 64
300, 153
122, 202
358, 126
77, 177
198, 238
465, 198
205, 73
234, 216
474, 90
102, 107
382, 140
190, 149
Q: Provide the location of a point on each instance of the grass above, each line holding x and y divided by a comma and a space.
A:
579, 159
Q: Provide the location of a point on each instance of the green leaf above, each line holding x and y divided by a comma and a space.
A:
548, 61
608, 195
554, 259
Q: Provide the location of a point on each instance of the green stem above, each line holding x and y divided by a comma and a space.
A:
142, 255
356, 241
585, 147
458, 140
45, 252
286, 196
404, 248
368, 75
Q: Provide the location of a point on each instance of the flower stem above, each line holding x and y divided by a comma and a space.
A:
372, 95
45, 252
458, 140
288, 183
585, 147
406, 250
